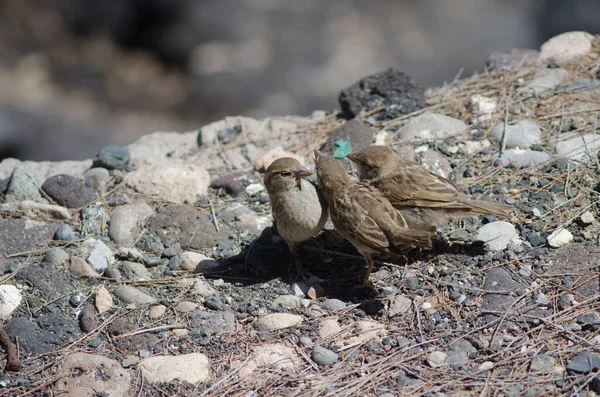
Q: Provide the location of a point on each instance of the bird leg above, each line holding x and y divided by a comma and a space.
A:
367, 283
300, 274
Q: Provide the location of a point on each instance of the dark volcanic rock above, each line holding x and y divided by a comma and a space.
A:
582, 263
355, 132
68, 191
583, 363
192, 228
234, 183
48, 333
132, 343
113, 157
390, 88
212, 322
47, 281
20, 235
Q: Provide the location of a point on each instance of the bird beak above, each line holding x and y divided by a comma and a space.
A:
352, 157
316, 155
303, 172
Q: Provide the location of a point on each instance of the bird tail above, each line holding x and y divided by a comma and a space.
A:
411, 238
489, 208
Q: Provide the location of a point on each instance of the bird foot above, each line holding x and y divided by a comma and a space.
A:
368, 285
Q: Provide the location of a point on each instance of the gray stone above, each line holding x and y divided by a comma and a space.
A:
589, 320
161, 147
46, 280
542, 363
581, 148
286, 302
113, 157
68, 191
192, 368
523, 134
431, 126
10, 299
97, 178
583, 363
523, 158
64, 233
48, 333
333, 305
20, 235
211, 323
323, 356
56, 256
436, 359
100, 254
357, 133
399, 305
134, 271
24, 185
243, 219
546, 80
129, 294
436, 163
128, 221
567, 47
500, 280
93, 219
276, 321
496, 235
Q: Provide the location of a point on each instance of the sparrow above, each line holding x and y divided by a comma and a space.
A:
363, 216
298, 209
425, 199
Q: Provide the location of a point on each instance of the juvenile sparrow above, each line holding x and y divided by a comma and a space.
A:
363, 216
298, 209
424, 198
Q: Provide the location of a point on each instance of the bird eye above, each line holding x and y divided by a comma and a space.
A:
286, 173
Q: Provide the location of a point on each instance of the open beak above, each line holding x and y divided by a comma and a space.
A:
352, 158
302, 172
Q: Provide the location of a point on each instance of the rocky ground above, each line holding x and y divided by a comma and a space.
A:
154, 269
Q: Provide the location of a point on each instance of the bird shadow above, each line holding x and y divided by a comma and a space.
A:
332, 262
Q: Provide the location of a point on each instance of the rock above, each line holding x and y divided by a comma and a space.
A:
542, 363
126, 222
485, 366
93, 219
238, 216
323, 356
458, 353
328, 327
20, 235
56, 256
589, 321
103, 299
581, 148
112, 157
89, 373
482, 107
521, 158
24, 185
129, 294
170, 182
157, 311
276, 321
367, 330
81, 268
100, 254
436, 163
64, 233
96, 178
10, 299
197, 262
233, 183
286, 302
161, 147
399, 305
546, 80
431, 126
315, 292
202, 288
587, 218
46, 281
390, 88
523, 134
45, 169
560, 237
272, 357
262, 163
134, 271
436, 359
566, 48
583, 363
186, 307
181, 224
500, 280
333, 305
32, 209
219, 322
68, 191
193, 368
354, 134
48, 333
497, 235
512, 58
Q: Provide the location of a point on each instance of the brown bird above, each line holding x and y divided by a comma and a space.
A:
425, 199
363, 216
299, 210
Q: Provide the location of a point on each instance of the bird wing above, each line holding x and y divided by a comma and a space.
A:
409, 184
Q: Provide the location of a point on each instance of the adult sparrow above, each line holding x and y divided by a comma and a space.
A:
363, 216
424, 198
298, 209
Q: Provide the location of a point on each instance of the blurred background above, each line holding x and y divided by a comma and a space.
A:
75, 74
